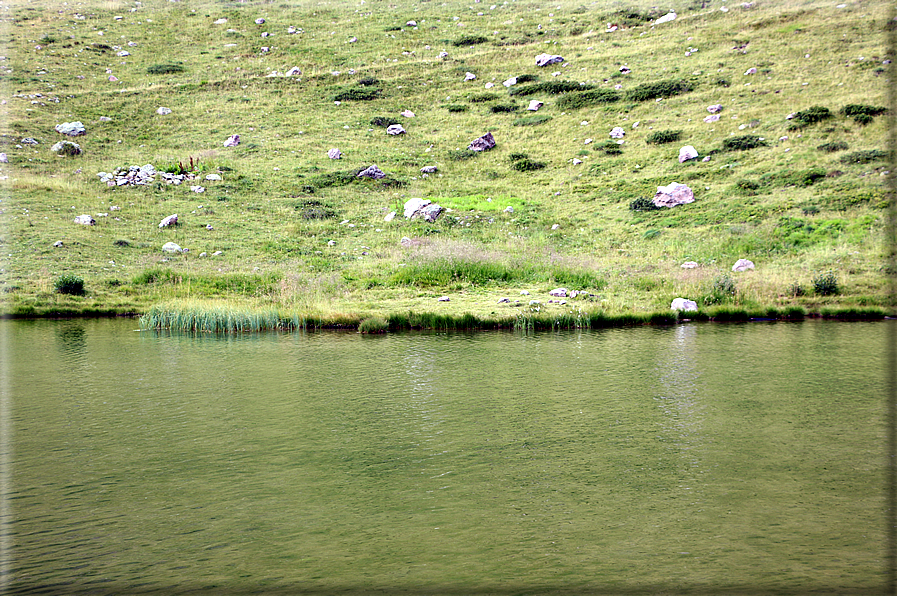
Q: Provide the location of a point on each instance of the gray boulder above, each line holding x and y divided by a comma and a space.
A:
558, 293
431, 212
684, 304
171, 220
429, 170
715, 109
547, 59
372, 172
64, 148
484, 143
335, 154
71, 129
673, 194
171, 247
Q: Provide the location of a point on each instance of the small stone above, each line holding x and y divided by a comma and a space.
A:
558, 293
408, 114
335, 153
504, 300
483, 143
293, 72
171, 220
411, 24
163, 111
547, 59
711, 118
684, 304
213, 177
203, 254
509, 209
510, 82
171, 247
260, 21
71, 129
524, 293
85, 220
4, 158
670, 16
617, 133
444, 299
687, 153
750, 71
217, 253
395, 129
469, 76
58, 244
742, 265
534, 105
372, 172
555, 226
390, 216
232, 141
715, 109
689, 265
429, 170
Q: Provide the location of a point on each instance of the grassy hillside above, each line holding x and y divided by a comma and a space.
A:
804, 197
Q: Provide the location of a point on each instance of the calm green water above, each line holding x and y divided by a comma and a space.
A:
691, 459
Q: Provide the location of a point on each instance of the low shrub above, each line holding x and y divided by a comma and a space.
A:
746, 186
610, 148
584, 99
373, 325
503, 108
122, 243
643, 204
69, 283
810, 116
165, 68
518, 156
863, 119
532, 120
825, 284
663, 136
659, 89
853, 110
724, 284
743, 143
470, 40
357, 95
722, 82
527, 165
483, 98
526, 78
368, 81
455, 108
316, 210
833, 146
549, 88
384, 121
795, 289
866, 156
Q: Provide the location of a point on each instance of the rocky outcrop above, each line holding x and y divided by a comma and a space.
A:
71, 129
484, 143
66, 148
372, 171
673, 194
548, 59
423, 208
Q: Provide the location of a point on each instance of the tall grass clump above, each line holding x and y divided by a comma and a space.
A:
661, 89
358, 94
373, 325
470, 40
549, 88
69, 283
833, 147
532, 120
585, 99
663, 136
825, 284
743, 143
866, 156
214, 318
168, 68
810, 116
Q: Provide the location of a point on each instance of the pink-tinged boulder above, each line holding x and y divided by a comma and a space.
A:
617, 133
335, 153
686, 153
171, 220
484, 143
534, 105
232, 141
673, 194
684, 304
371, 172
742, 265
711, 118
715, 109
546, 59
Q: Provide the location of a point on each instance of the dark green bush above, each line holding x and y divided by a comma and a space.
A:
462, 154
807, 177
122, 243
833, 146
810, 116
527, 165
503, 108
663, 136
584, 99
532, 120
659, 89
69, 283
454, 108
368, 81
860, 109
866, 156
863, 119
165, 68
384, 121
483, 98
643, 204
743, 143
518, 156
747, 186
526, 78
825, 284
722, 82
357, 95
610, 148
470, 40
549, 88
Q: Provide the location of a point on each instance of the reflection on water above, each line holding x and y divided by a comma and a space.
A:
615, 460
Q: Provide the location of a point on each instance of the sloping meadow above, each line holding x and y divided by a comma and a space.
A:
784, 103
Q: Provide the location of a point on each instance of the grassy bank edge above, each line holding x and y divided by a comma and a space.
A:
225, 319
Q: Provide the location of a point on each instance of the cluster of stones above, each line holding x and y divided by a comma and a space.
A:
146, 174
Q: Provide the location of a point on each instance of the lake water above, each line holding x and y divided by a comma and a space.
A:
694, 459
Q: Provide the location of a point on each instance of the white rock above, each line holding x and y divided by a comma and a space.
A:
689, 265
558, 293
670, 16
715, 109
617, 133
217, 253
395, 129
85, 220
163, 111
232, 141
489, 85
171, 247
71, 129
412, 206
408, 114
334, 153
220, 22
469, 76
510, 82
4, 158
293, 72
546, 59
524, 293
751, 71
534, 105
686, 153
213, 177
509, 209
742, 265
171, 220
673, 194
444, 299
684, 304
389, 216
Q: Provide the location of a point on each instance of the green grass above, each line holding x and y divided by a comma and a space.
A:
297, 232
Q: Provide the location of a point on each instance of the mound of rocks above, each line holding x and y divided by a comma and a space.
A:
146, 174
372, 172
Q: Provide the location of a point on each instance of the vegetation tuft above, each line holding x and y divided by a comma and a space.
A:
833, 147
743, 143
549, 88
825, 284
69, 283
660, 89
664, 136
585, 99
810, 116
169, 68
470, 40
532, 120
865, 156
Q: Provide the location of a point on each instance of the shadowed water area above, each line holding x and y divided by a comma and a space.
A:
701, 459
